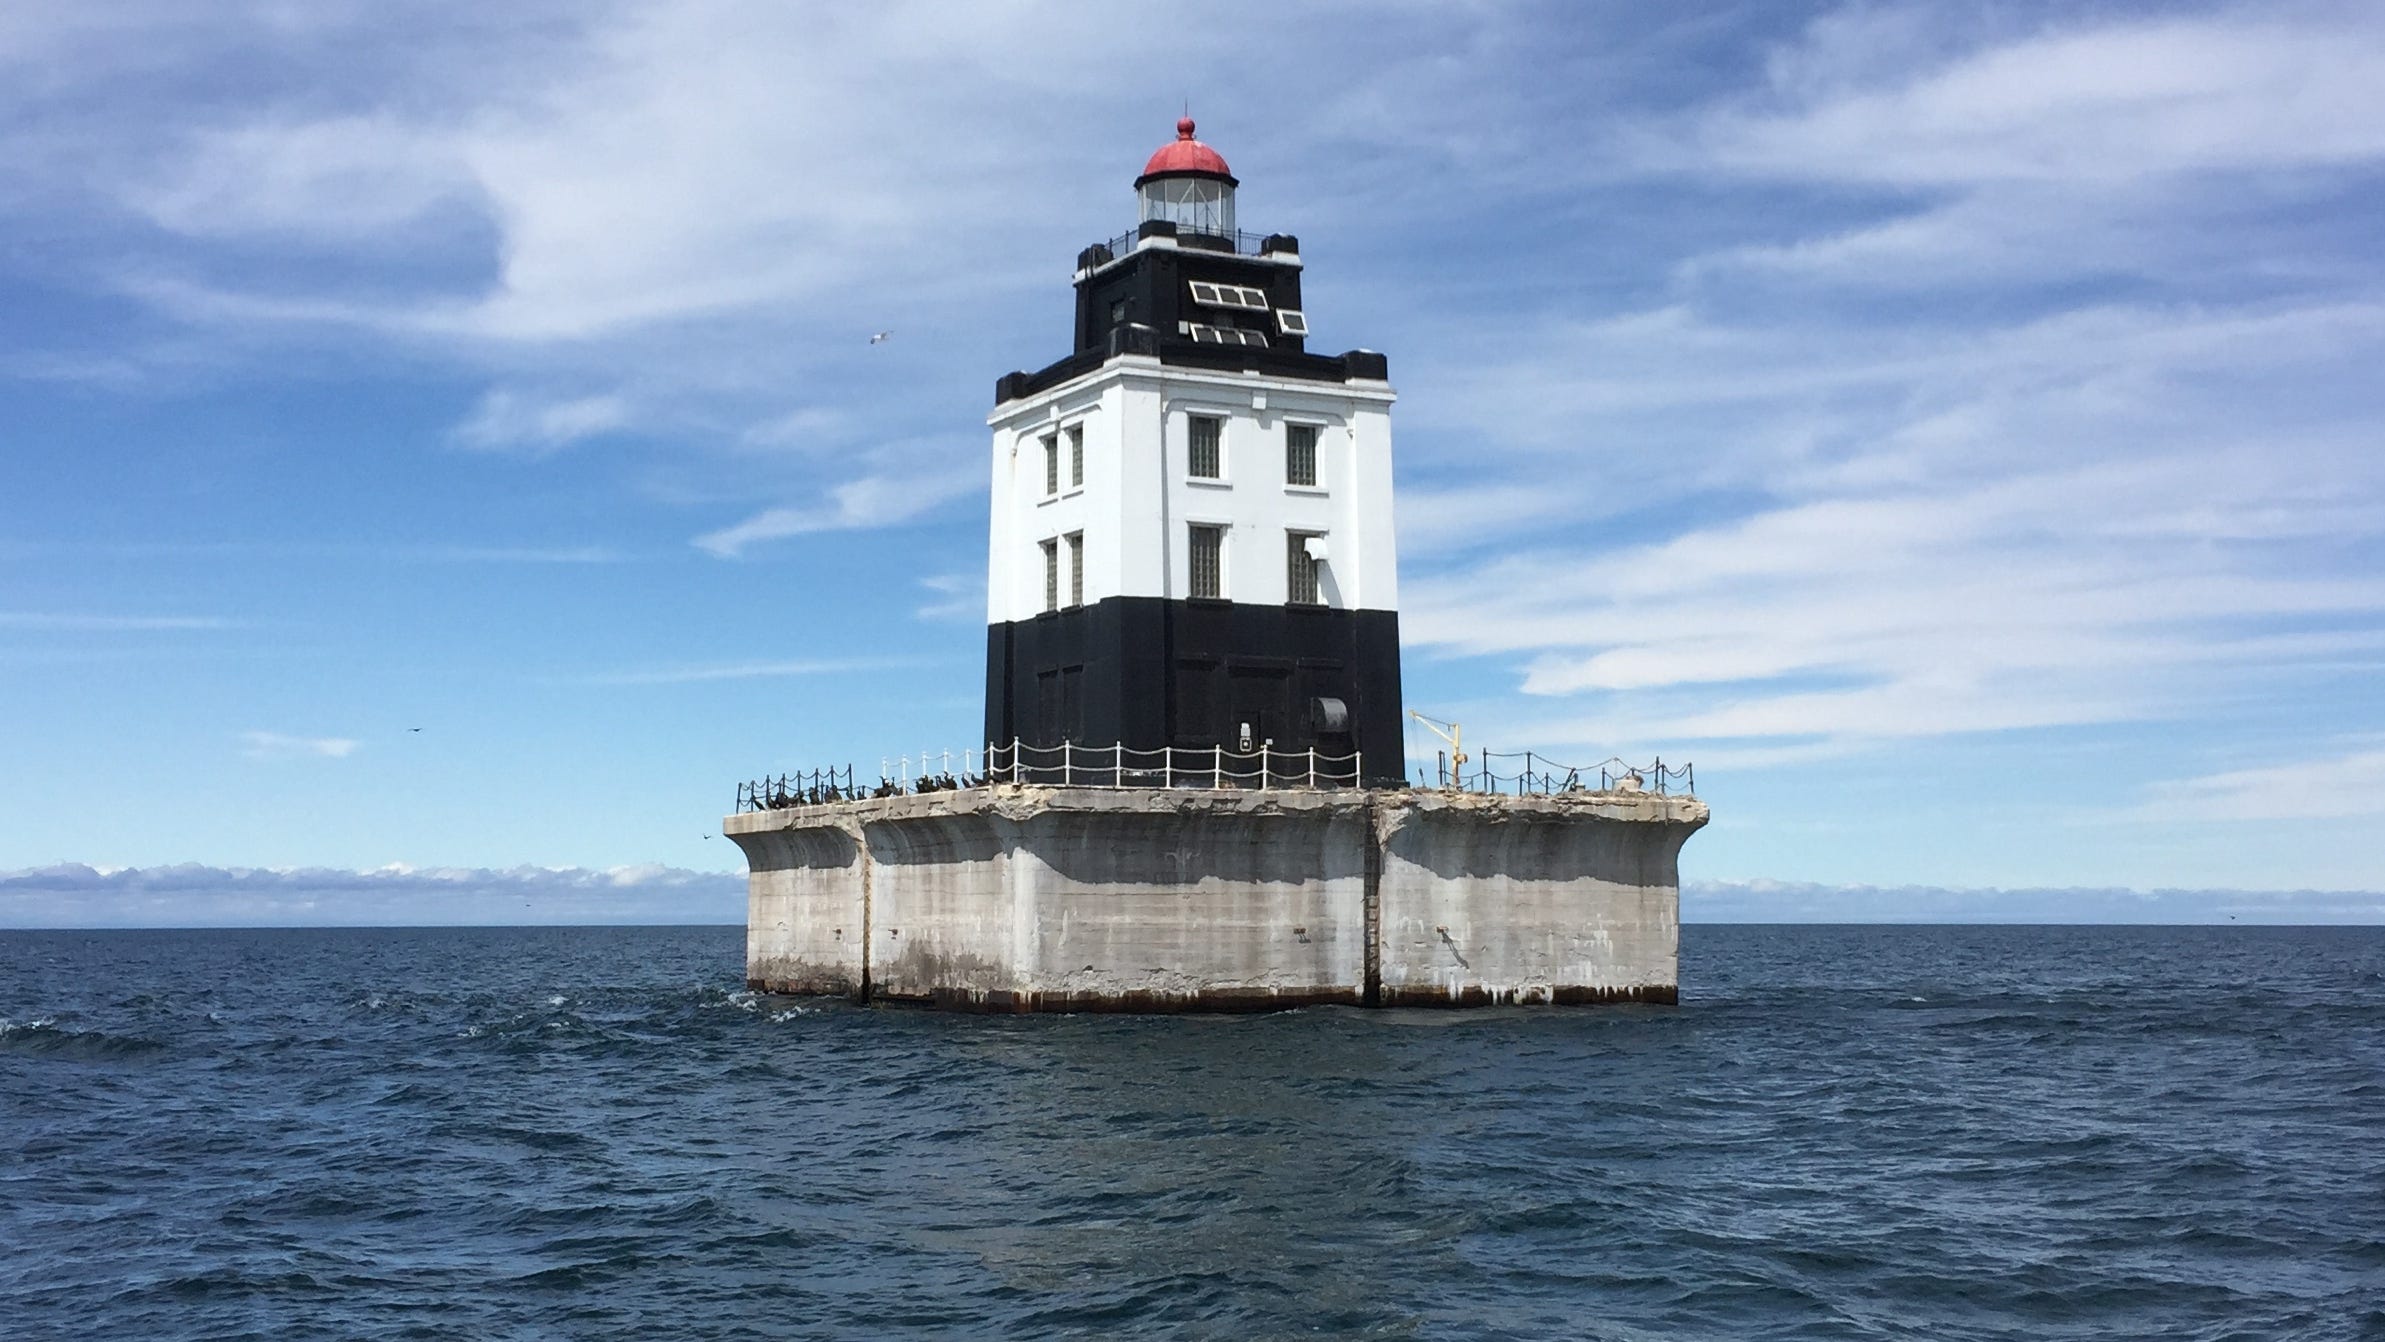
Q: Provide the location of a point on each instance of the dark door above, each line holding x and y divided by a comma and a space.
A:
1262, 699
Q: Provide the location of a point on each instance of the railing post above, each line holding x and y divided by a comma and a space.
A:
1312, 768
1014, 759
1167, 766
1118, 770
1358, 768
1068, 757
1265, 769
1217, 766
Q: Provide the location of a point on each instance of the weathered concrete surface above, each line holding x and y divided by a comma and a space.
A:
1036, 898
1567, 898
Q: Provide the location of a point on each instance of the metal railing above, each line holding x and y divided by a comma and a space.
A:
1536, 774
1240, 242
1064, 765
1067, 765
1212, 767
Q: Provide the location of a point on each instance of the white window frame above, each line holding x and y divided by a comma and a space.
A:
1191, 448
1074, 434
1291, 321
1228, 296
1224, 335
1075, 541
1299, 564
1051, 575
1316, 455
1192, 567
1051, 464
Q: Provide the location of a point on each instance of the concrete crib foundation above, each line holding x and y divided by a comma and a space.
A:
1013, 898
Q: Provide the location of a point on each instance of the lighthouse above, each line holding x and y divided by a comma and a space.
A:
1193, 792
1191, 546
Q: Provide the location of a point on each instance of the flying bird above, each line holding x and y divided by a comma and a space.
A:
880, 337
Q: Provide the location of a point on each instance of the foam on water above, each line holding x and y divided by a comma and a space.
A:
598, 1133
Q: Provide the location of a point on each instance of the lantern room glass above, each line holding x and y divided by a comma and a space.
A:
1192, 204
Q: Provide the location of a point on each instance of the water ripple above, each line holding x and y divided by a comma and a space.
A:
588, 1133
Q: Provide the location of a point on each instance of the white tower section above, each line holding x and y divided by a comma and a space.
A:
1147, 480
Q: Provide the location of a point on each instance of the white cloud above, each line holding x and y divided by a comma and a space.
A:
509, 419
2109, 102
958, 596
1808, 902
190, 895
280, 746
357, 180
871, 501
2328, 788
2083, 514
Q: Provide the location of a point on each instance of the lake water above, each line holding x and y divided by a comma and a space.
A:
1841, 1132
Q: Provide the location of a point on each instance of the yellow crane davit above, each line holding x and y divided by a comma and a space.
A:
1455, 735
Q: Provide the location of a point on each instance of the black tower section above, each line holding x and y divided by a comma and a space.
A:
1153, 288
1145, 672
1137, 302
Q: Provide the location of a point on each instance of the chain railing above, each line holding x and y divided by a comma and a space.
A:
1064, 765
1069, 765
1537, 774
1212, 767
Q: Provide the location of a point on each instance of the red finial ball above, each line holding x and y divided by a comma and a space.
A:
1184, 128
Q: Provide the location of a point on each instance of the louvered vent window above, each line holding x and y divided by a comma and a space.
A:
1076, 456
1076, 568
1208, 561
1300, 454
1051, 575
1051, 464
1225, 335
1206, 463
1229, 296
1301, 569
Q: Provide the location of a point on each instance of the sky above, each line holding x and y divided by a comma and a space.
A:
441, 448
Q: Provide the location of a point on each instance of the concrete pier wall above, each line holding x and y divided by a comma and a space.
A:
1033, 898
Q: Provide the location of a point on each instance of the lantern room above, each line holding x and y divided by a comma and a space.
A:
1187, 184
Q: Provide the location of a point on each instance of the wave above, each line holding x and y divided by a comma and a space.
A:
44, 1039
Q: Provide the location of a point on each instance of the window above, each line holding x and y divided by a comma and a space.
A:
1051, 464
1229, 296
1301, 569
1224, 335
1208, 561
1205, 461
1051, 575
1291, 323
1117, 311
1300, 454
1076, 568
1076, 456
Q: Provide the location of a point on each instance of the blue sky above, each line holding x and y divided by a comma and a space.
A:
1955, 428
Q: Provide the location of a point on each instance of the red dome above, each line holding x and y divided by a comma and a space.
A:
1184, 154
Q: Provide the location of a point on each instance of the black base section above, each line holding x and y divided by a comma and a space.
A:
1144, 673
